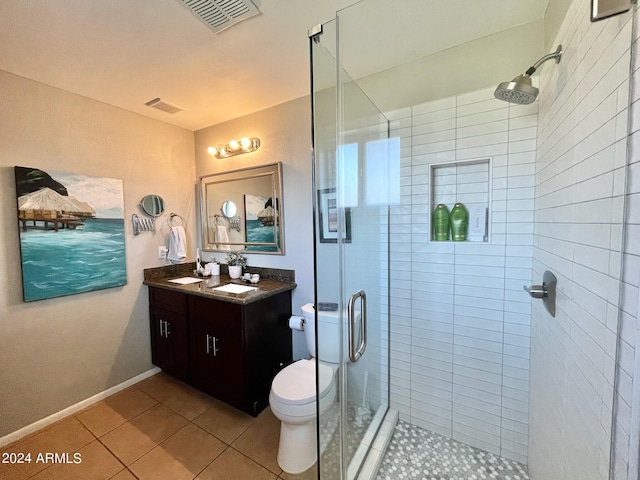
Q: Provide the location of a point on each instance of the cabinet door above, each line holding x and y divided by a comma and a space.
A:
169, 342
267, 338
217, 358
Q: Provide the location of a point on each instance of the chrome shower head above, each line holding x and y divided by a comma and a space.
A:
519, 90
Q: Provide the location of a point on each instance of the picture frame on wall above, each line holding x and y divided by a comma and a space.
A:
328, 217
72, 233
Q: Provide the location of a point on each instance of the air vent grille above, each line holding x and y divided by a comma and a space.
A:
164, 106
221, 14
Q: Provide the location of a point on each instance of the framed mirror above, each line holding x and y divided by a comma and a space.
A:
152, 205
243, 210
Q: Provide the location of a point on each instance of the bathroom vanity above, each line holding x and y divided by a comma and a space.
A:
227, 345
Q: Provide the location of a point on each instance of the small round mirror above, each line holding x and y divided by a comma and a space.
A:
153, 205
229, 209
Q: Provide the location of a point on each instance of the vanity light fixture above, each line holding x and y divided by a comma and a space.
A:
235, 147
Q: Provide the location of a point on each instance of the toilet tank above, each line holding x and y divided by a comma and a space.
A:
329, 340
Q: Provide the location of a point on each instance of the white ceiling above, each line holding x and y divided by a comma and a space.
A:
127, 52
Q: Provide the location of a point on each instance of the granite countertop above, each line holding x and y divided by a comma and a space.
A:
272, 282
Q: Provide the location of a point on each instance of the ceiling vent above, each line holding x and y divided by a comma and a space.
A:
164, 106
219, 15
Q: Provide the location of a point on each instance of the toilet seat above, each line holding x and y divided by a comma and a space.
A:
294, 388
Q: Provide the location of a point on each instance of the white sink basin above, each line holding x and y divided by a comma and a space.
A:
234, 288
185, 280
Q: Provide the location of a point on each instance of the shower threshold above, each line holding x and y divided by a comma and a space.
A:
372, 449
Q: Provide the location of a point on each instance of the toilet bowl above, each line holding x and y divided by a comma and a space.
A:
293, 402
293, 398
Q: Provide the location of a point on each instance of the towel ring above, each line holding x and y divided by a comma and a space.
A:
173, 217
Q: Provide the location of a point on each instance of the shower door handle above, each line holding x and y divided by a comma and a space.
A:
357, 346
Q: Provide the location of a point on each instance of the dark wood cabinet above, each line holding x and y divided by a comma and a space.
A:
169, 332
217, 352
233, 350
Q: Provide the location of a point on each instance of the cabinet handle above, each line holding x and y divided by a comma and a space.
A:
167, 332
212, 345
161, 328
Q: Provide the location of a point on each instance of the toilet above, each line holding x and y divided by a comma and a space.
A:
293, 393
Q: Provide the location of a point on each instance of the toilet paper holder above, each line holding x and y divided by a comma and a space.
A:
296, 322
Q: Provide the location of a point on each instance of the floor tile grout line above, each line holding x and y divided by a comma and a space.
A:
256, 462
278, 474
113, 453
76, 415
75, 451
214, 459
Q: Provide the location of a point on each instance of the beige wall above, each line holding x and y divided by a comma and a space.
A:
471, 66
285, 134
553, 17
57, 352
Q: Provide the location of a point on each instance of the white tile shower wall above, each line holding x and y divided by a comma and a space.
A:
460, 319
579, 203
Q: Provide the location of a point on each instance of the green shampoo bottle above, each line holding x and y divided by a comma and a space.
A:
459, 220
440, 221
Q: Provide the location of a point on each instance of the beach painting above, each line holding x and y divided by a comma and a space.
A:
71, 233
261, 219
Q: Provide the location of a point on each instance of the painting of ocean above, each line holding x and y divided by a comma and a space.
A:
73, 261
259, 233
261, 223
71, 233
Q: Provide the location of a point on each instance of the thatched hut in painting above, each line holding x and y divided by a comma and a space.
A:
49, 207
85, 210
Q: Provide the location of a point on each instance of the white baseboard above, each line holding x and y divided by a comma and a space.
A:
29, 429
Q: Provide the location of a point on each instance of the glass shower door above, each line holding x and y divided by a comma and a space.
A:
351, 198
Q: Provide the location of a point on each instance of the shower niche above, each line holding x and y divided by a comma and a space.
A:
467, 182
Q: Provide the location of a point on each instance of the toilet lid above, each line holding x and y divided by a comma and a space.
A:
296, 384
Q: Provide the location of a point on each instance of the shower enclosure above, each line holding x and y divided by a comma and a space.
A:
351, 188
438, 339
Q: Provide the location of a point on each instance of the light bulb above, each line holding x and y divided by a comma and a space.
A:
234, 145
212, 150
245, 142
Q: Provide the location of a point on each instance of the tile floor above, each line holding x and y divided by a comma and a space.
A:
418, 454
157, 429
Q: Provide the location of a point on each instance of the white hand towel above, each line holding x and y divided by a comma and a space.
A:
222, 237
177, 244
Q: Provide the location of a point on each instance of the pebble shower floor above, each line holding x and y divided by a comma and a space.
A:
416, 453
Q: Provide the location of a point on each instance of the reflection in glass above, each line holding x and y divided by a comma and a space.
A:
229, 209
152, 205
242, 210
